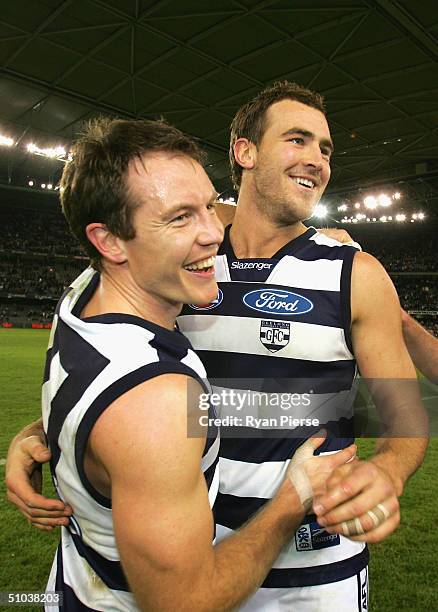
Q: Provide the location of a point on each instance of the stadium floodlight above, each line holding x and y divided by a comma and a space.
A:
320, 211
383, 219
49, 186
389, 218
421, 216
370, 202
30, 183
397, 195
357, 205
343, 207
374, 219
384, 200
5, 141
43, 185
51, 152
414, 216
400, 217
355, 220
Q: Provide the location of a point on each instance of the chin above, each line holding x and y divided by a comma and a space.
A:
204, 297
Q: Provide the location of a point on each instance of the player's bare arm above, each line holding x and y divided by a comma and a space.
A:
422, 346
139, 451
369, 490
26, 453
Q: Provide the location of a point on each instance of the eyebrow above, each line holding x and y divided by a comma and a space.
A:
182, 205
326, 142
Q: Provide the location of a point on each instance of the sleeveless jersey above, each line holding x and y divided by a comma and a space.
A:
90, 363
281, 324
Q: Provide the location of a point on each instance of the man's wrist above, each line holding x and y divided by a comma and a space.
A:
289, 506
387, 461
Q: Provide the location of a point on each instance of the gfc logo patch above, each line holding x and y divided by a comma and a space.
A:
275, 335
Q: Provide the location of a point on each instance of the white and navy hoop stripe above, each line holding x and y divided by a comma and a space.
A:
243, 345
90, 363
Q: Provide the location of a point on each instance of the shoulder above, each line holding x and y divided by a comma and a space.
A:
367, 269
372, 290
148, 424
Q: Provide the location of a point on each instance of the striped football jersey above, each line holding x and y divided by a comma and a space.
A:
90, 363
281, 325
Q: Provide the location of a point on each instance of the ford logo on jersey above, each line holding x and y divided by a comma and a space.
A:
214, 304
277, 301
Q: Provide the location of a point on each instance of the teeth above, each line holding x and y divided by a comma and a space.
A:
303, 181
207, 263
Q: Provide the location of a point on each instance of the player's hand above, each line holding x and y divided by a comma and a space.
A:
309, 473
23, 481
360, 503
340, 235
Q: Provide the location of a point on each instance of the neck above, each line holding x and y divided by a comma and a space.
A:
255, 235
118, 293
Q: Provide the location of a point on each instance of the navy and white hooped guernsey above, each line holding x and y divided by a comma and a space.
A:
287, 317
90, 363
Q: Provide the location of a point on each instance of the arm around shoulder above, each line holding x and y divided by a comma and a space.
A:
382, 354
422, 347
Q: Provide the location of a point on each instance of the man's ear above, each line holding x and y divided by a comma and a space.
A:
245, 153
108, 245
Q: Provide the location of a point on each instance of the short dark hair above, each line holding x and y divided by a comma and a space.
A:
249, 121
93, 185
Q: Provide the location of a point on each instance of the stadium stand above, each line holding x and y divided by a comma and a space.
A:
39, 257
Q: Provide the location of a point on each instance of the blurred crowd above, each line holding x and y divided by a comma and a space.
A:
36, 232
39, 258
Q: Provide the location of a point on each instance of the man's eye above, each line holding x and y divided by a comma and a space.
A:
296, 140
180, 218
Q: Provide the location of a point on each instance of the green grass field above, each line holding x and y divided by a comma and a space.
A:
403, 569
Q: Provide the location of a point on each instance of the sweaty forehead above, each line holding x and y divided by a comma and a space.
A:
167, 177
287, 114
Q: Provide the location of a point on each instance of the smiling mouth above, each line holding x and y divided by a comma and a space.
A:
203, 268
307, 183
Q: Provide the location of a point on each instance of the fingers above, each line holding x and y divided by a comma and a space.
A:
339, 458
381, 532
26, 496
315, 441
338, 234
373, 526
361, 475
360, 503
36, 517
40, 509
366, 501
34, 447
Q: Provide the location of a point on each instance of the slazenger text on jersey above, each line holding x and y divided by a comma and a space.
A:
250, 265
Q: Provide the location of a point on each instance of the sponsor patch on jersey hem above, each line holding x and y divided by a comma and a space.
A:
313, 537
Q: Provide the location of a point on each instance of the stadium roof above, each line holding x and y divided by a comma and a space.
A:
196, 61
